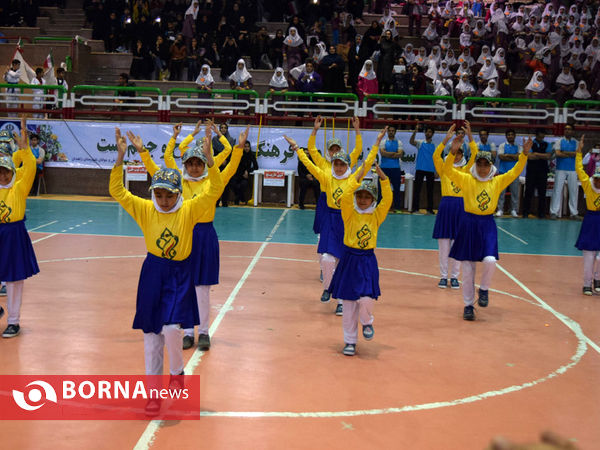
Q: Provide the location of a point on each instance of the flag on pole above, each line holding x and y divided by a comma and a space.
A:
26, 73
49, 75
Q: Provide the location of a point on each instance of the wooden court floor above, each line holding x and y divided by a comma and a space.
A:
275, 376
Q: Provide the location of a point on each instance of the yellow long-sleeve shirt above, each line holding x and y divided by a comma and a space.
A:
322, 163
592, 198
13, 201
449, 189
167, 235
192, 189
481, 197
333, 187
360, 230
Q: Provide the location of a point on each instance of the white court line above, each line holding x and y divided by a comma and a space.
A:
147, 437
45, 237
570, 323
42, 226
512, 235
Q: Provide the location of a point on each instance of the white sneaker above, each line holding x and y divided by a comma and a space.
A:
499, 213
514, 213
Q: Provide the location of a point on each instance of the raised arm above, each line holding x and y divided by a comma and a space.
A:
438, 162
312, 147
387, 196
505, 179
412, 140
358, 144
583, 177
236, 156
169, 157
136, 141
312, 168
27, 175
474, 149
458, 177
223, 154
183, 145
201, 203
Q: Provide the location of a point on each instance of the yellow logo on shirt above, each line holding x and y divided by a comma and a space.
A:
337, 195
5, 211
597, 202
455, 188
167, 243
484, 200
364, 235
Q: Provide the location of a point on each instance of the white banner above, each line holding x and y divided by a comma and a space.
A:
87, 144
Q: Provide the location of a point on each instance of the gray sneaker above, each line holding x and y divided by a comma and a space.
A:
3, 291
368, 332
349, 350
325, 296
11, 331
339, 310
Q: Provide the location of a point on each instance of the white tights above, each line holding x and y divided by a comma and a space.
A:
355, 310
468, 268
203, 298
14, 298
154, 344
444, 250
591, 267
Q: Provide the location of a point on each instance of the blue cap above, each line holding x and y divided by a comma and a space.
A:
370, 187
169, 179
5, 136
7, 162
196, 152
342, 156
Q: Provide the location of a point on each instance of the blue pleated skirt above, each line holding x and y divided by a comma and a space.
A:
18, 260
477, 238
319, 211
448, 218
589, 234
166, 295
205, 255
332, 233
356, 275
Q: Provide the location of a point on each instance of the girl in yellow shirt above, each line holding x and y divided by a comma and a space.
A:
205, 245
477, 238
166, 300
18, 262
589, 235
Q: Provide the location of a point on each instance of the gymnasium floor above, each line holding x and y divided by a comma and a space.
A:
275, 376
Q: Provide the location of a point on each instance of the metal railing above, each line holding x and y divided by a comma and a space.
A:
300, 106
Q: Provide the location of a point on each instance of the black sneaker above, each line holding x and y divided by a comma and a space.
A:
188, 342
3, 291
339, 310
469, 313
454, 284
349, 350
203, 342
443, 284
325, 297
587, 290
483, 299
11, 331
368, 332
1, 312
596, 288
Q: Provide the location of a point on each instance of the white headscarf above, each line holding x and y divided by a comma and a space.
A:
178, 204
11, 183
534, 84
499, 58
367, 74
577, 49
279, 81
468, 59
464, 87
444, 72
545, 55
489, 176
295, 72
437, 57
445, 43
432, 70
575, 62
499, 20
465, 36
490, 91
591, 50
421, 59
565, 78
439, 88
521, 44
488, 72
450, 59
321, 51
462, 70
409, 54
485, 53
430, 32
193, 11
240, 75
582, 93
293, 41
518, 25
205, 80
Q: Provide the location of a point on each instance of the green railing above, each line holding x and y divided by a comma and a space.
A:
52, 39
410, 98
586, 103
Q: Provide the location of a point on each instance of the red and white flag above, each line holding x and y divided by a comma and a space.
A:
26, 73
